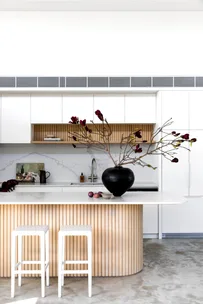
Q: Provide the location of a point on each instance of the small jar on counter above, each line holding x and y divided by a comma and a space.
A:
82, 178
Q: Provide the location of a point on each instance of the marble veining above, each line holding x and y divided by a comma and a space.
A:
66, 163
172, 274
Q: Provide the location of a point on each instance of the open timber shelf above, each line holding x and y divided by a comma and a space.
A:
40, 131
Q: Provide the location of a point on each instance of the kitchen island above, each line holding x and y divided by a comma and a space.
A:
117, 225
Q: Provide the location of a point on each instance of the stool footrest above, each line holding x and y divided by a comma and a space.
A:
30, 263
27, 272
74, 272
75, 262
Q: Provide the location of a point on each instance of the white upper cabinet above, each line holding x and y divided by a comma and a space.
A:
196, 107
46, 109
140, 108
15, 119
175, 105
112, 108
80, 106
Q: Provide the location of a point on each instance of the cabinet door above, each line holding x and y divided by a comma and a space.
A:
80, 106
175, 105
175, 179
196, 105
175, 176
183, 218
196, 164
150, 219
46, 109
15, 119
112, 108
140, 108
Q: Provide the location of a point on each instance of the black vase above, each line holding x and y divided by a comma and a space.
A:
118, 180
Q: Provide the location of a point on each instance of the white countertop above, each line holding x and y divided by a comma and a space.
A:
81, 198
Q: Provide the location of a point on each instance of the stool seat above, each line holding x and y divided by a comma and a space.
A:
75, 228
32, 228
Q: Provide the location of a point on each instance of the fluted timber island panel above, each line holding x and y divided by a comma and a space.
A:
117, 236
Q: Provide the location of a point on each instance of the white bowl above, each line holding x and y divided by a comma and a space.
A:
106, 195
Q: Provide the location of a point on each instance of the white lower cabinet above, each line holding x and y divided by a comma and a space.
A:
183, 218
150, 219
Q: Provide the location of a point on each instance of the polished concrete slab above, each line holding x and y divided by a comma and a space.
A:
172, 274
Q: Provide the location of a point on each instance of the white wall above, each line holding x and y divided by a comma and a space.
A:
101, 43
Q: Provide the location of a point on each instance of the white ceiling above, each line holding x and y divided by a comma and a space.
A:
102, 5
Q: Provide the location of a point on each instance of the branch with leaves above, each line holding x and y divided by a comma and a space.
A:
131, 151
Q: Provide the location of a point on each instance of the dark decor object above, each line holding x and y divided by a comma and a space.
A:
118, 180
43, 176
9, 185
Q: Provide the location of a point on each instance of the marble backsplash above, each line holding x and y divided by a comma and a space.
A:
66, 163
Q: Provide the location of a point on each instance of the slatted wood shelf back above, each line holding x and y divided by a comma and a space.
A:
40, 131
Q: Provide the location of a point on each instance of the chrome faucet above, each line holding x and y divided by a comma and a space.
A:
93, 176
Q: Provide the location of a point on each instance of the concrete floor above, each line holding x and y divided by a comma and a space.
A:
172, 274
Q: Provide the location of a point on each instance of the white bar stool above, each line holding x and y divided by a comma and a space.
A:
74, 230
43, 233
